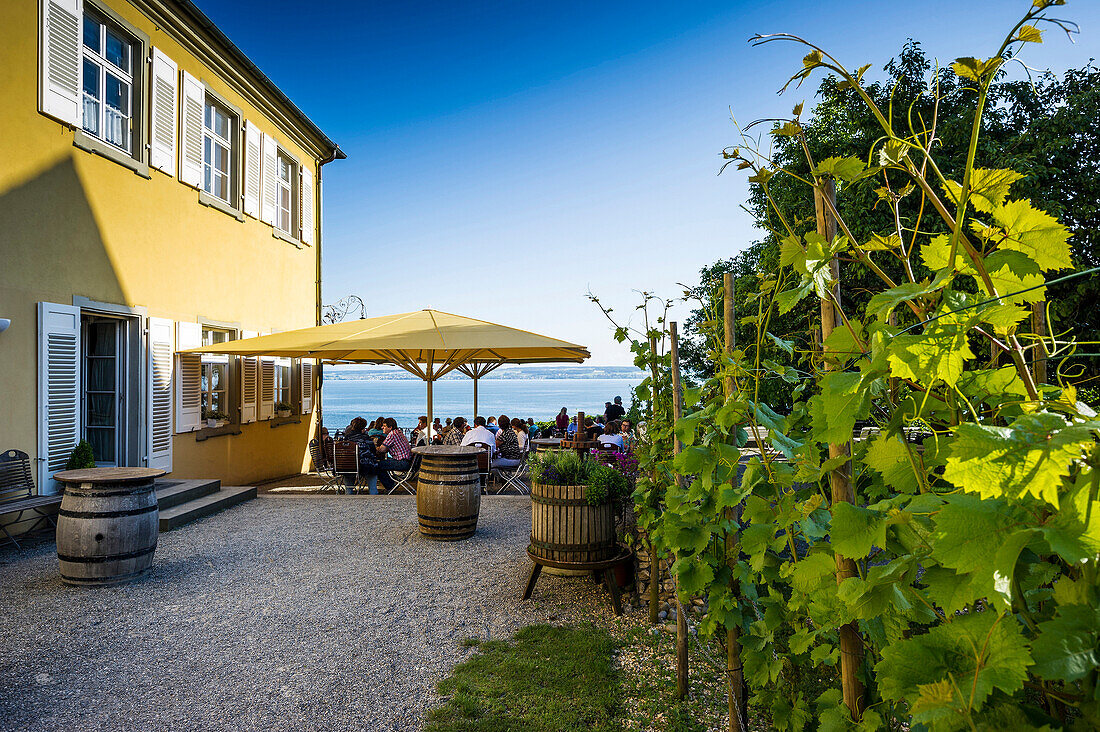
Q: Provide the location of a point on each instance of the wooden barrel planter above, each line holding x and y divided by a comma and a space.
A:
108, 524
564, 528
448, 492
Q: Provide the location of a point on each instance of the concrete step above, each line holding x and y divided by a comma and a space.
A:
184, 513
171, 492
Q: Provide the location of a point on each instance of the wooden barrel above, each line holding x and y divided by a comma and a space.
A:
448, 492
564, 528
108, 524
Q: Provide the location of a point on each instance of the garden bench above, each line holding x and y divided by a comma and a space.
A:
17, 493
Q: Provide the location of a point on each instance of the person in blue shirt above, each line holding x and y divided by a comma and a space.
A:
572, 428
491, 425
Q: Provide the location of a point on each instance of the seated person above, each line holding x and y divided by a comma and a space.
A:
376, 428
508, 447
562, 420
503, 425
591, 429
456, 432
418, 434
395, 455
520, 428
572, 428
612, 436
357, 432
491, 425
532, 428
480, 433
630, 441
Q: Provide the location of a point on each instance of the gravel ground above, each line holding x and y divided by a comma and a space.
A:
283, 613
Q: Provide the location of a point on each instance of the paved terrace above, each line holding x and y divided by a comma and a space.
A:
283, 613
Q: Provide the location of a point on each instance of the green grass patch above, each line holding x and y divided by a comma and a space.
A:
547, 679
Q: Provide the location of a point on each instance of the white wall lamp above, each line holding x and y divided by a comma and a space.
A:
4, 323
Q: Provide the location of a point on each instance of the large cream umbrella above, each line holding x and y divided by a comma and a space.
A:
427, 343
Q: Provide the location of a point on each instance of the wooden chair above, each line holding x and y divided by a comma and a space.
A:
17, 493
323, 466
484, 463
345, 462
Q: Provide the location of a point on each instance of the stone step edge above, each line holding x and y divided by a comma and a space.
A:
177, 516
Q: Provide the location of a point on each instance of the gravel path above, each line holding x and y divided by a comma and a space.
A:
283, 613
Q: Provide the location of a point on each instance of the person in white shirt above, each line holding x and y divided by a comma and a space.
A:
480, 433
611, 436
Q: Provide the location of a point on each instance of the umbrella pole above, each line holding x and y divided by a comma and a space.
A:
429, 435
475, 398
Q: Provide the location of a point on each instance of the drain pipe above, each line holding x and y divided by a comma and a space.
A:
336, 154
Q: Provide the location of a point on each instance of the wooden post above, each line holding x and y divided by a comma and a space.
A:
677, 447
654, 560
737, 696
851, 649
475, 397
1039, 328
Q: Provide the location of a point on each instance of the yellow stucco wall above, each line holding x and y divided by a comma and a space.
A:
74, 223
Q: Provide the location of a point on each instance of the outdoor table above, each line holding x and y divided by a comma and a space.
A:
108, 524
546, 443
448, 491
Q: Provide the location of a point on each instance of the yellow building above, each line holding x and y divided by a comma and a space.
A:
157, 192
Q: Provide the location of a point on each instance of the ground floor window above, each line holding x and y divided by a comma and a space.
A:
282, 384
215, 376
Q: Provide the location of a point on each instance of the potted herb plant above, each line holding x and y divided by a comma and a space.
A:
573, 507
282, 409
214, 418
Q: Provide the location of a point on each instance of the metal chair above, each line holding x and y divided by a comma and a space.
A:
345, 462
484, 463
513, 477
406, 481
323, 466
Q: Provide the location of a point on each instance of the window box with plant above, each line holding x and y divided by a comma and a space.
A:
573, 507
215, 418
282, 409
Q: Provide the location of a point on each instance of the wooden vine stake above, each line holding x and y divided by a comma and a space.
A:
851, 649
738, 693
677, 447
654, 560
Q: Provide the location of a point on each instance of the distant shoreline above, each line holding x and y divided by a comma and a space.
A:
514, 373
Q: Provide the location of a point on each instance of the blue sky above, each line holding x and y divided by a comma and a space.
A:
506, 157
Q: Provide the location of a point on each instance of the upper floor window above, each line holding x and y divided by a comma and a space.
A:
108, 82
218, 134
284, 197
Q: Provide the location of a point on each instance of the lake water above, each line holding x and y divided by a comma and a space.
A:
343, 399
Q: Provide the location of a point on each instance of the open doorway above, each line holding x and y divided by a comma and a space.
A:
109, 399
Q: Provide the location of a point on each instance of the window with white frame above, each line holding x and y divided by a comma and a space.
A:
218, 134
282, 383
215, 375
108, 82
284, 201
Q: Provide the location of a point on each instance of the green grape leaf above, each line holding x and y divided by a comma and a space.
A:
988, 188
980, 384
841, 343
951, 591
976, 69
892, 152
1008, 271
1029, 34
846, 169
968, 534
889, 455
1004, 317
1067, 647
882, 303
1029, 457
938, 354
936, 252
880, 243
813, 570
1074, 532
855, 530
693, 575
842, 400
1035, 233
978, 652
787, 299
689, 538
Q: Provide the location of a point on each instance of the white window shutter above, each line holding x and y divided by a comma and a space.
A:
306, 372
191, 110
161, 340
307, 198
59, 59
249, 383
270, 186
267, 387
162, 118
253, 169
58, 390
189, 378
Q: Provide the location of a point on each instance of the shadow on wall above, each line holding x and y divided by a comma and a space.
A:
51, 248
